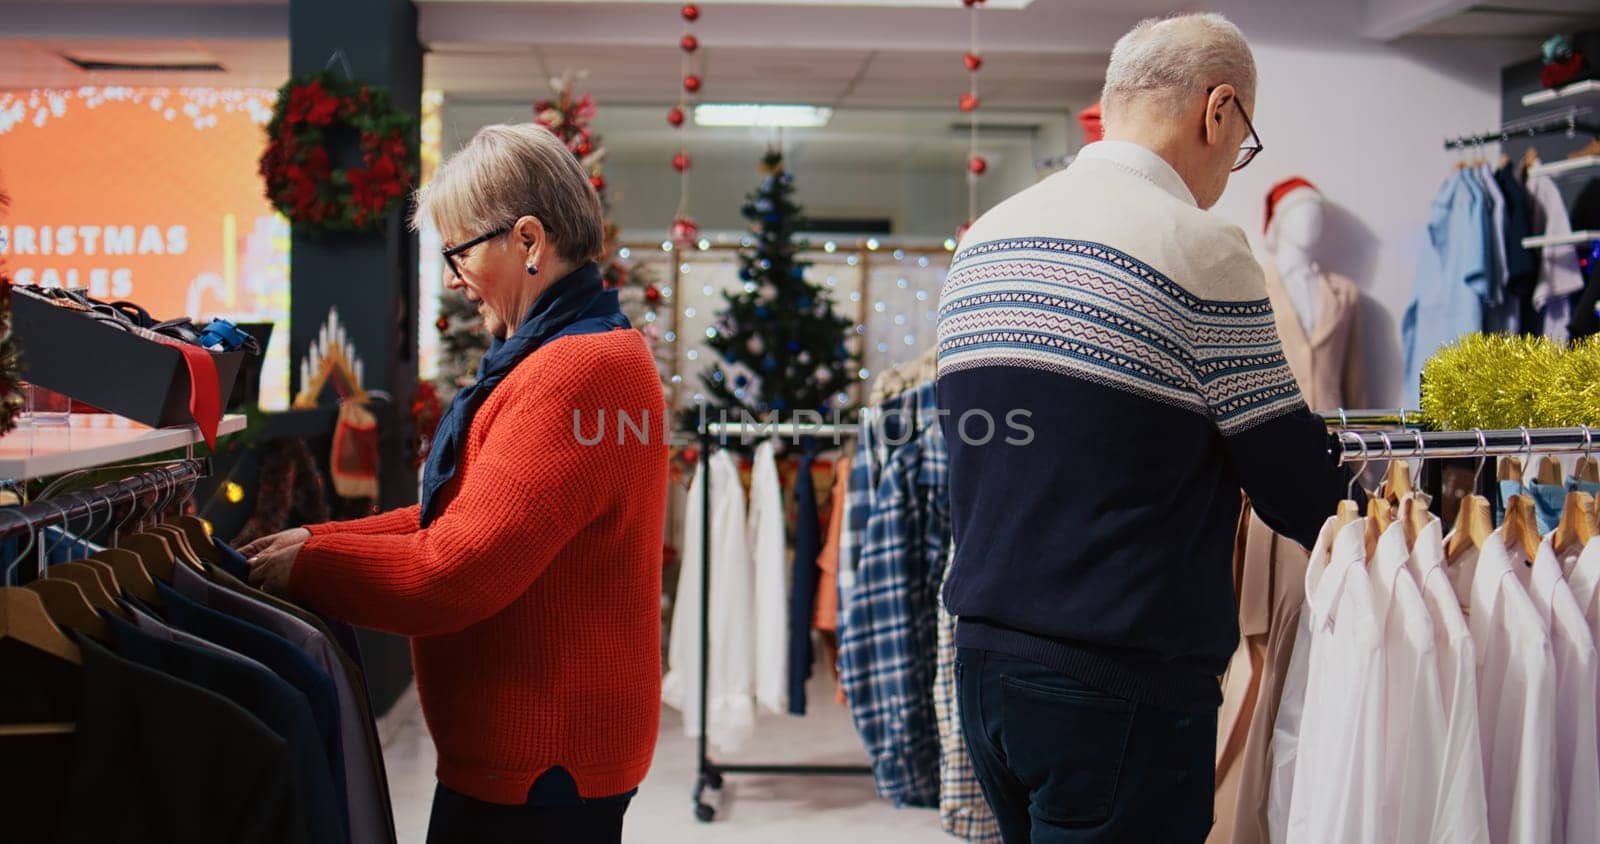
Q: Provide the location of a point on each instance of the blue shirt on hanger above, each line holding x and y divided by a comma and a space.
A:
1452, 279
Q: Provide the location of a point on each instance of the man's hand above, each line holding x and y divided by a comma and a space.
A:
270, 570
274, 542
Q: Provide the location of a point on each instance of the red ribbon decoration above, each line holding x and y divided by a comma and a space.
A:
205, 388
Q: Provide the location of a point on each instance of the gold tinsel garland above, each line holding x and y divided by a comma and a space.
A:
1495, 381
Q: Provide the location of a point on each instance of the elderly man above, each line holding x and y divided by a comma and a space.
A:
1092, 576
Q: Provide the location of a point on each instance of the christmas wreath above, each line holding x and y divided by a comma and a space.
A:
315, 123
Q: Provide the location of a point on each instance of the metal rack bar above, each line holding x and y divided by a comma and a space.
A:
68, 507
1562, 122
1400, 417
1354, 446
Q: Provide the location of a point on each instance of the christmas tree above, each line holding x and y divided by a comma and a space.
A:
10, 364
570, 117
781, 346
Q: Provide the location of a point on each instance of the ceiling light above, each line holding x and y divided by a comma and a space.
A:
749, 114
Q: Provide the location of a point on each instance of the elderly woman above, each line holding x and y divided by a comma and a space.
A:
529, 578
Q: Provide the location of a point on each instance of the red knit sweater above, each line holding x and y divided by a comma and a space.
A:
534, 599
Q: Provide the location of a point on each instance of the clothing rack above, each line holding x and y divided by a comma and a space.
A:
710, 772
1558, 123
1401, 439
103, 500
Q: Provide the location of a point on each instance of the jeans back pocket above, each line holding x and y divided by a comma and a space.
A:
1067, 744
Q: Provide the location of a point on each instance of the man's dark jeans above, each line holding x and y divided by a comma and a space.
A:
1062, 762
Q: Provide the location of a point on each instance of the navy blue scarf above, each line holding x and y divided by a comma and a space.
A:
577, 304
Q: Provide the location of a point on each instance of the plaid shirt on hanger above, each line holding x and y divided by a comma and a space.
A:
889, 631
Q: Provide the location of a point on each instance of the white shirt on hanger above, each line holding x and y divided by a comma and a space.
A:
1577, 817
1413, 725
766, 541
1284, 749
1583, 576
730, 711
1461, 811
1516, 694
1335, 795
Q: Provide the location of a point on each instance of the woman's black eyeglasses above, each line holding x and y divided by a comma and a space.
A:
450, 253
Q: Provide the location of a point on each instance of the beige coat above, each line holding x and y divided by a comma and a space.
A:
1327, 364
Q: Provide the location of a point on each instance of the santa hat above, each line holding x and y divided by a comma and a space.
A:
1290, 191
1089, 119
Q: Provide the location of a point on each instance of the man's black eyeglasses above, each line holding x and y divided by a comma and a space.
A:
1252, 145
450, 253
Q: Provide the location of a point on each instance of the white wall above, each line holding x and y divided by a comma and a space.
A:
1365, 122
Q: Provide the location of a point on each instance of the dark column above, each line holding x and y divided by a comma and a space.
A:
371, 279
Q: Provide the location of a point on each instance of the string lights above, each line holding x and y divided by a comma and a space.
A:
684, 232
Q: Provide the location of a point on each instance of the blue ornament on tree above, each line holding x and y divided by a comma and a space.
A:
769, 363
746, 274
793, 346
730, 358
772, 218
779, 404
798, 273
762, 205
803, 303
741, 381
762, 312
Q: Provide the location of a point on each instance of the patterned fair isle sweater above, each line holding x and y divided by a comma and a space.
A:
1129, 333
534, 599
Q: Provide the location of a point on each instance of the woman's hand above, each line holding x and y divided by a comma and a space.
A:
274, 542
270, 570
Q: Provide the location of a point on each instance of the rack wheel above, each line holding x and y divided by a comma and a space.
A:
704, 813
714, 781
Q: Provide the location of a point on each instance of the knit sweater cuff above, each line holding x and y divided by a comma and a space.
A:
403, 520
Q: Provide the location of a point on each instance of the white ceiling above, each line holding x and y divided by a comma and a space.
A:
1048, 55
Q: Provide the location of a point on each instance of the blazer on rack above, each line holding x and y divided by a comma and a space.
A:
1327, 363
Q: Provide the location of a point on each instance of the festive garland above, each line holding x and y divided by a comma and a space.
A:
1495, 381
298, 166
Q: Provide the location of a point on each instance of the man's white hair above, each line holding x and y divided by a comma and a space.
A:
1168, 60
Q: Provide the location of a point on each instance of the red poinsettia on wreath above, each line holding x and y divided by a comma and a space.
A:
301, 179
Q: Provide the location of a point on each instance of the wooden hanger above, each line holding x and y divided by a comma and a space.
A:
154, 552
179, 541
1593, 148
1521, 528
1510, 469
107, 575
1474, 517
1550, 471
1414, 515
1530, 158
1397, 481
199, 536
94, 588
1380, 515
1577, 525
132, 576
70, 608
23, 618
1348, 510
1588, 469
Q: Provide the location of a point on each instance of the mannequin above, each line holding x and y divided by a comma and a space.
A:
1298, 229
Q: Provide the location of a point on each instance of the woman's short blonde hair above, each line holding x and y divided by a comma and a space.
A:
506, 172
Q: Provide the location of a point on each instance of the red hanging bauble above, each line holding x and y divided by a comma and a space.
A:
978, 165
684, 232
970, 3
691, 83
689, 43
681, 162
652, 294
584, 148
441, 323
969, 102
598, 181
690, 455
691, 12
973, 61
675, 117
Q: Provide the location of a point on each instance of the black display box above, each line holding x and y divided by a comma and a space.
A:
101, 365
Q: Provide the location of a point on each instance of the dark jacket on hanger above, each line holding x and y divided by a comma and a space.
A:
803, 592
1522, 265
287, 661
261, 693
161, 761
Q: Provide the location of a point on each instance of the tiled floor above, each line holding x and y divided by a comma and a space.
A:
764, 809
